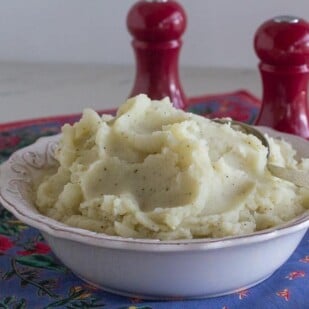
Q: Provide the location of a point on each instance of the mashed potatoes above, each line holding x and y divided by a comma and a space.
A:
157, 172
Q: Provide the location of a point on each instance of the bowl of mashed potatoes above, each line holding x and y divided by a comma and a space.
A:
160, 203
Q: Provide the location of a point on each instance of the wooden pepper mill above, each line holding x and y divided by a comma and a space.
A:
157, 27
282, 44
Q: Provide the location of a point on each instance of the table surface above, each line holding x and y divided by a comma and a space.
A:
29, 90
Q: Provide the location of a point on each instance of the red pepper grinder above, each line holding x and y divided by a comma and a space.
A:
282, 44
157, 27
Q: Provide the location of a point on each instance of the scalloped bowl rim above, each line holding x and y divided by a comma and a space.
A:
32, 217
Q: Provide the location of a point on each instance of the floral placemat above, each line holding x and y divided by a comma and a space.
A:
32, 277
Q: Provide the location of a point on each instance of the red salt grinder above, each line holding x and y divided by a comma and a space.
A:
157, 27
282, 44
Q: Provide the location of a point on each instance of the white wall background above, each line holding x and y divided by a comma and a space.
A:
219, 32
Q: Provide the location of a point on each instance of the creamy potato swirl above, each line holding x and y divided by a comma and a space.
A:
153, 171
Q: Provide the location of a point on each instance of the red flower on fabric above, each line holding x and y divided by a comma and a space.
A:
295, 274
243, 294
5, 244
39, 248
8, 141
305, 259
284, 294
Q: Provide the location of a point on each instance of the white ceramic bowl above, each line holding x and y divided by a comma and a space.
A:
150, 268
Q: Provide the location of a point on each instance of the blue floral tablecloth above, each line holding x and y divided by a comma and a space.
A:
32, 277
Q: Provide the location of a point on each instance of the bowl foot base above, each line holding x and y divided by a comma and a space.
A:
171, 297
